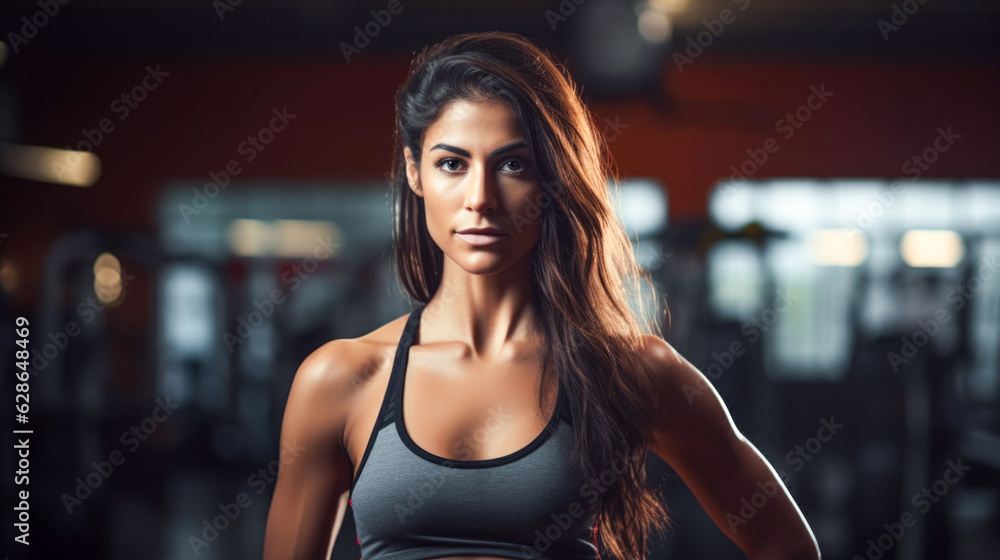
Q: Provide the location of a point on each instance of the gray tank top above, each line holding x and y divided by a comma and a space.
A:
414, 505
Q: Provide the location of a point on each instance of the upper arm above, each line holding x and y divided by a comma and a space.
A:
693, 432
315, 470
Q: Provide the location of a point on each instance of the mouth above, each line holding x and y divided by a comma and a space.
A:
481, 236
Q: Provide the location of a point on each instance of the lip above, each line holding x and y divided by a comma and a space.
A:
490, 231
481, 237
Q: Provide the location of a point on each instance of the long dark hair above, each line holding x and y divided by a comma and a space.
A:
586, 274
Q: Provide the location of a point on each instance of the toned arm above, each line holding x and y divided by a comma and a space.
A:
694, 433
309, 499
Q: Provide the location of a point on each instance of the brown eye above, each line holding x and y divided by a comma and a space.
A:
518, 165
446, 163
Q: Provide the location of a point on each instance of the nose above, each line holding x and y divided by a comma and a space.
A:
480, 191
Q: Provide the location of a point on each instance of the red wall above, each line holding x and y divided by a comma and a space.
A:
878, 117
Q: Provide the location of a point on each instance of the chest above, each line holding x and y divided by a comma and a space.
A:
402, 496
475, 418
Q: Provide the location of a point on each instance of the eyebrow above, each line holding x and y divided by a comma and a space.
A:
465, 153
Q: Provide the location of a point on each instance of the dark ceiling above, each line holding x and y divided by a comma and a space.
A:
954, 31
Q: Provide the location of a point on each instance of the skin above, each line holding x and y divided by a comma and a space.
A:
478, 349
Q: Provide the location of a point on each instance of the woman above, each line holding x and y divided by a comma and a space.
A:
506, 235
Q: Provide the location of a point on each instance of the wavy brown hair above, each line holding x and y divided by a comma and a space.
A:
588, 281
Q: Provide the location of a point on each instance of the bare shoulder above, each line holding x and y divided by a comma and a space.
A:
310, 495
328, 379
664, 369
687, 404
348, 362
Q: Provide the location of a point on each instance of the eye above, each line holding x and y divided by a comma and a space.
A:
518, 165
447, 164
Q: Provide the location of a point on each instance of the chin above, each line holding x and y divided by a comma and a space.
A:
481, 262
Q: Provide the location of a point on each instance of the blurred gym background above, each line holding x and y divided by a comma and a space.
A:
194, 198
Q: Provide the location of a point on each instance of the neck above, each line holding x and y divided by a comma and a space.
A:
486, 312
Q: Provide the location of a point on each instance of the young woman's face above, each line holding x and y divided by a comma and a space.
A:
474, 173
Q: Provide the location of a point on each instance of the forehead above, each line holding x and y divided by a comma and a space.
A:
477, 126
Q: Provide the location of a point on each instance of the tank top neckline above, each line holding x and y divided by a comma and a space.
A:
398, 375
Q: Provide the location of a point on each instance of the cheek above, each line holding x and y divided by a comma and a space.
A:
434, 212
526, 212
438, 211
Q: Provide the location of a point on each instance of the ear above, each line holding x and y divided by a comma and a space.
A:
412, 172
